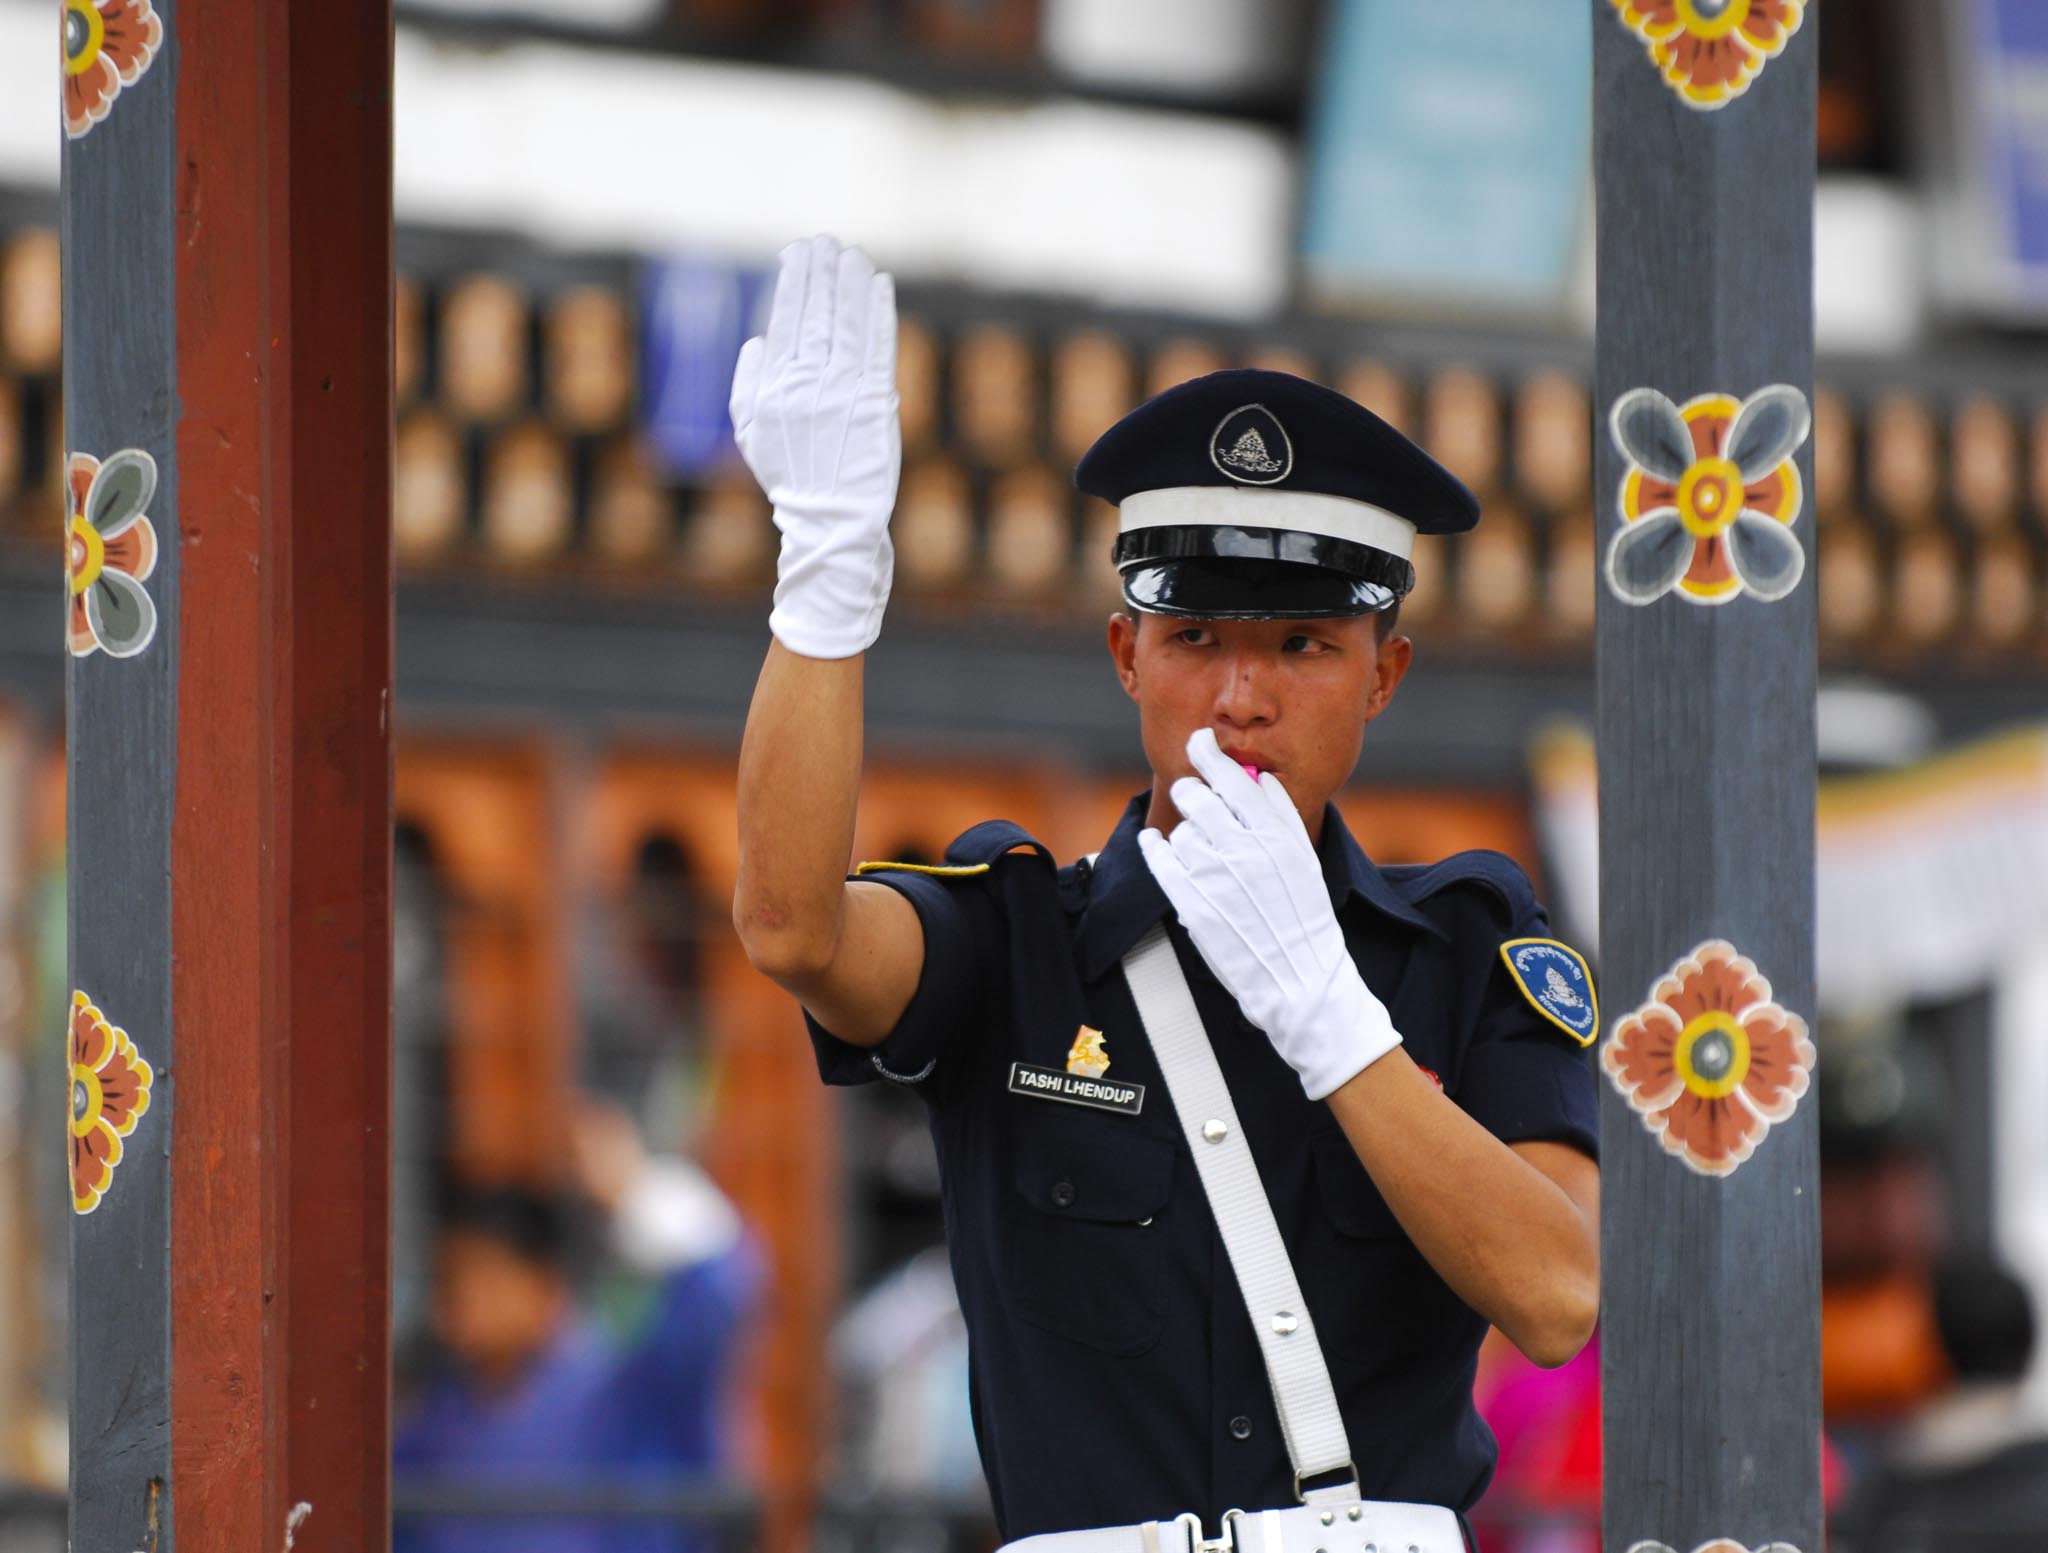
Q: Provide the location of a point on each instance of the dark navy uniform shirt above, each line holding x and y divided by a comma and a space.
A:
1114, 1372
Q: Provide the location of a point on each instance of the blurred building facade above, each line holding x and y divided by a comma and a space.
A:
1084, 204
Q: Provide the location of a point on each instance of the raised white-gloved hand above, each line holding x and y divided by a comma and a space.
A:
1248, 886
814, 412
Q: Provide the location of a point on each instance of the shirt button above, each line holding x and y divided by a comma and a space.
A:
1240, 1428
1063, 1194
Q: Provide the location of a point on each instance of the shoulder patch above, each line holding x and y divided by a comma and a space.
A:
944, 871
1557, 982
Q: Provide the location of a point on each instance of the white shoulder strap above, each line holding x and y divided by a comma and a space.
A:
1300, 1379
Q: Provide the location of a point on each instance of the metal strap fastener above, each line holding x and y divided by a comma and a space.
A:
1190, 1524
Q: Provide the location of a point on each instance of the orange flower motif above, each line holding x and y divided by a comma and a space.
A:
112, 552
109, 1093
107, 45
1710, 50
1710, 497
1710, 1061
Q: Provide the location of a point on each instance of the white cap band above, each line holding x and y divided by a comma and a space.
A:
1308, 512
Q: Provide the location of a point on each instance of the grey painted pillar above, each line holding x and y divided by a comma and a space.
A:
1704, 146
122, 565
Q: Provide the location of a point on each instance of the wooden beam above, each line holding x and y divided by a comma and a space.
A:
227, 320
1704, 145
333, 536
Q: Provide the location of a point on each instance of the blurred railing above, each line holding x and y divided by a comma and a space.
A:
730, 1518
727, 1517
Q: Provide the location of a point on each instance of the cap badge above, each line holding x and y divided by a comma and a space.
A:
1251, 446
1086, 1058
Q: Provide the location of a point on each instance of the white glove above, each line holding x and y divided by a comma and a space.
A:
1248, 886
814, 412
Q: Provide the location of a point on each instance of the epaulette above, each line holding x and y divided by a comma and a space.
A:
1417, 882
974, 851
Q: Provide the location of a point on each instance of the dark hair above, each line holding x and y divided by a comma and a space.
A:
1985, 1318
535, 1225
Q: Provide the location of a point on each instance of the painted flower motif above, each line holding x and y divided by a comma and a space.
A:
1709, 1062
109, 1093
106, 46
1710, 497
1710, 50
112, 552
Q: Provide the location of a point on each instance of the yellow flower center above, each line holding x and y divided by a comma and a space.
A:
1713, 1055
87, 1100
87, 557
1712, 18
85, 32
1709, 496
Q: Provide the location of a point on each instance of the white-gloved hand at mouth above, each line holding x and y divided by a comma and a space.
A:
814, 411
1244, 878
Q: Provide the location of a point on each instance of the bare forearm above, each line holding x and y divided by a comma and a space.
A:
799, 777
1507, 1238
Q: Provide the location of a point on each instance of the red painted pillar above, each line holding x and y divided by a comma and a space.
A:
281, 840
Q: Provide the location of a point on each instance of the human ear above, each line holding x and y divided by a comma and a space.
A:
1389, 667
1123, 651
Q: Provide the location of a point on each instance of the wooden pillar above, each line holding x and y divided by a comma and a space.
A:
227, 255
1704, 135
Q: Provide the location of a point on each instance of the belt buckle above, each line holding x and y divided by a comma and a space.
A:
1191, 1523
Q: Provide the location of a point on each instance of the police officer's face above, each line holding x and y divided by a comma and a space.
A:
1289, 696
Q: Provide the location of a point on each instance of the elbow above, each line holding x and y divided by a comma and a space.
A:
787, 953
1554, 1334
1557, 1346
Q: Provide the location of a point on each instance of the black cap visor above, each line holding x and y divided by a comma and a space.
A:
1223, 573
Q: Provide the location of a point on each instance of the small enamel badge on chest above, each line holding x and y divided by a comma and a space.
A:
1558, 984
1083, 1082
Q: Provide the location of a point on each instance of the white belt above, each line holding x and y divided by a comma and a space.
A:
1365, 1526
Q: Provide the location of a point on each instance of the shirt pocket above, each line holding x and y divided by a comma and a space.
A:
1084, 1253
1374, 1299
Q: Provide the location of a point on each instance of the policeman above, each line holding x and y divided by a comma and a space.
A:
1404, 1047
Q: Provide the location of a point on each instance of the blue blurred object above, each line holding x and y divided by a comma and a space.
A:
1450, 151
696, 313
2012, 64
586, 1411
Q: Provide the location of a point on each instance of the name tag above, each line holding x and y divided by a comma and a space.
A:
1052, 1084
